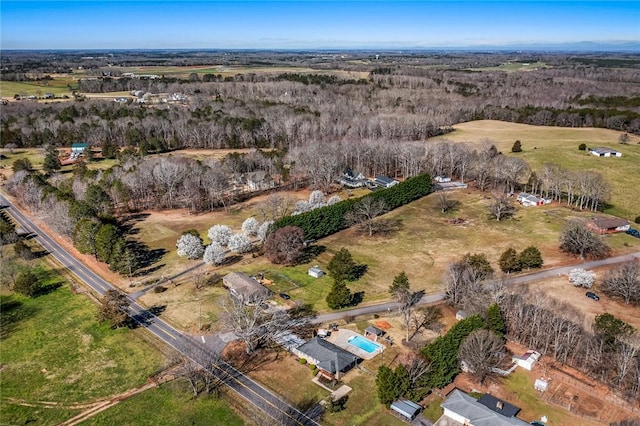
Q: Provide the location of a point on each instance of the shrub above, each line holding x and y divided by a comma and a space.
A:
159, 289
517, 147
637, 220
303, 361
582, 147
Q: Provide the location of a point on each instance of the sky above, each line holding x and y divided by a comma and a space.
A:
311, 24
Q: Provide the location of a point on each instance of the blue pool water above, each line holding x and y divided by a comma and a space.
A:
364, 344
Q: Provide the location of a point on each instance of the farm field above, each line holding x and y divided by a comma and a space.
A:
10, 88
559, 145
53, 350
514, 66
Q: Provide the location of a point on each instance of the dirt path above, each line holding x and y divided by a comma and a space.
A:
92, 408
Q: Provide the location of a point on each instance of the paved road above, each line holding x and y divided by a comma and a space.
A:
271, 404
439, 297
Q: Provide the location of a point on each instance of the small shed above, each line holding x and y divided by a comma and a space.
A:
373, 332
527, 360
541, 385
315, 272
460, 315
406, 409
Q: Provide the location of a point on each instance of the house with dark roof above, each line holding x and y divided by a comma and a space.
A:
604, 152
385, 181
486, 411
245, 288
608, 225
331, 360
352, 179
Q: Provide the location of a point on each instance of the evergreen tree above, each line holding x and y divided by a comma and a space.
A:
517, 147
84, 236
479, 263
400, 285
106, 237
509, 261
339, 296
531, 258
342, 266
387, 385
495, 321
51, 160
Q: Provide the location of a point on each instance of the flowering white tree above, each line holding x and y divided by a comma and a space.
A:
220, 234
301, 207
333, 200
214, 254
316, 199
239, 243
250, 226
190, 246
582, 278
264, 229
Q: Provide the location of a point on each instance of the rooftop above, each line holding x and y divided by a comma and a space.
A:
330, 357
609, 222
477, 413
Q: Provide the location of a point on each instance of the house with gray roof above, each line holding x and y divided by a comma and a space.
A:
331, 360
245, 288
487, 411
604, 152
385, 181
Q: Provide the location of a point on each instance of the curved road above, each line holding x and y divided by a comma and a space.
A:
439, 297
255, 394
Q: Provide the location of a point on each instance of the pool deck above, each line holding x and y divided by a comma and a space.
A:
341, 338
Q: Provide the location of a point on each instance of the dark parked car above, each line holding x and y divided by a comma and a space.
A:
285, 296
592, 295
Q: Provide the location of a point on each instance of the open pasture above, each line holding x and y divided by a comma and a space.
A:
559, 145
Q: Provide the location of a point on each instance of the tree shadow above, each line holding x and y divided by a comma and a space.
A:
230, 260
311, 252
145, 256
147, 271
13, 311
359, 271
357, 298
49, 288
145, 317
130, 221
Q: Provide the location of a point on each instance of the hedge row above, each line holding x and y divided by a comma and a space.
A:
328, 220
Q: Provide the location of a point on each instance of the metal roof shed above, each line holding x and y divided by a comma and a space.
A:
405, 408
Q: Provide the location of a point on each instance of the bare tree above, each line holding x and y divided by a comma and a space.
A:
276, 206
480, 353
400, 289
256, 324
425, 318
623, 282
445, 202
577, 239
501, 208
365, 212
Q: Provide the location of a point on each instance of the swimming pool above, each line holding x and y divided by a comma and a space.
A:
364, 344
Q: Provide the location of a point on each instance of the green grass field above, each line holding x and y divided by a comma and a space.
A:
10, 88
53, 350
170, 404
559, 145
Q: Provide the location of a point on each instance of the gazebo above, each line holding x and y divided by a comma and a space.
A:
373, 333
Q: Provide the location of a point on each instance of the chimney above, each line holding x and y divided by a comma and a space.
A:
499, 405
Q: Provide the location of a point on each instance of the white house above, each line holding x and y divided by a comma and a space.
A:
527, 360
442, 179
528, 200
604, 152
315, 272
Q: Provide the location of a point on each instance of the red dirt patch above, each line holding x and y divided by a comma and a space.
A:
383, 325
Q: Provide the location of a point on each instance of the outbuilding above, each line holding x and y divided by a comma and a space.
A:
604, 152
373, 332
385, 181
315, 272
245, 288
608, 225
527, 360
406, 409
